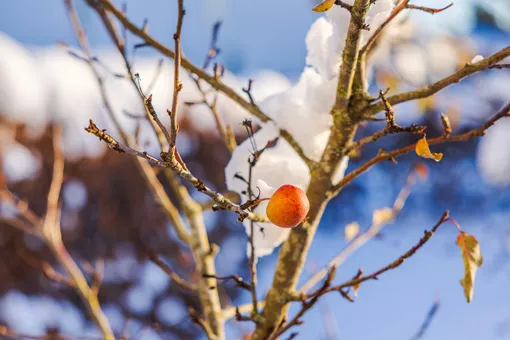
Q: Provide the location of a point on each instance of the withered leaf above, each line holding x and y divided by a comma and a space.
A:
324, 6
423, 150
472, 258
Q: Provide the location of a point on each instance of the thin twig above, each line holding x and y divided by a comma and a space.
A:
187, 65
432, 312
195, 317
52, 274
456, 77
375, 36
226, 134
177, 82
326, 287
49, 231
428, 9
150, 177
177, 168
52, 235
427, 235
172, 274
236, 278
390, 128
480, 131
230, 312
363, 238
306, 305
500, 66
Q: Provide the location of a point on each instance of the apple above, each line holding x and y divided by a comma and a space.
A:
288, 206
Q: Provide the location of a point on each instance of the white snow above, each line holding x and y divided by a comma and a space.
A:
476, 59
304, 111
277, 166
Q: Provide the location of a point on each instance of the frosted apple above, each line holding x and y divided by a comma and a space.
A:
288, 206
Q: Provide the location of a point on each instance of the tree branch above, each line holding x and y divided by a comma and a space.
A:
50, 233
177, 82
150, 177
190, 67
391, 128
177, 168
172, 274
362, 239
310, 301
295, 248
456, 77
350, 55
426, 237
383, 156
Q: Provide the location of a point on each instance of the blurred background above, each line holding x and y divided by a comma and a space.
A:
109, 214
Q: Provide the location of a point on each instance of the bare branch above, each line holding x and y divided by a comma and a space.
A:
456, 77
310, 300
52, 235
177, 82
153, 183
375, 36
179, 170
427, 235
195, 317
306, 305
480, 131
187, 65
350, 55
391, 128
230, 312
428, 9
293, 252
172, 274
343, 5
49, 231
52, 274
51, 223
362, 239
500, 66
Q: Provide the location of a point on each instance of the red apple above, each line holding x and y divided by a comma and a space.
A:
288, 206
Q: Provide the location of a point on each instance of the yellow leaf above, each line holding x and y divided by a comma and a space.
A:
351, 231
382, 216
472, 257
324, 6
423, 150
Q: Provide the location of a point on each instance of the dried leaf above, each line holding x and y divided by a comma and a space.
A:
324, 6
472, 257
382, 216
423, 150
351, 231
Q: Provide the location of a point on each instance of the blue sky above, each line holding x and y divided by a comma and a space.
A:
270, 35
